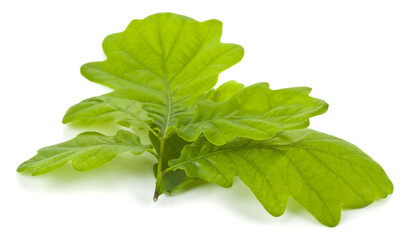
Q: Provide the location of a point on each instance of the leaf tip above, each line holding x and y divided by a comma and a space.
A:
390, 186
65, 120
333, 223
20, 168
23, 167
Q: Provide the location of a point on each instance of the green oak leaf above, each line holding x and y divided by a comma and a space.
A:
323, 173
168, 60
87, 151
127, 113
255, 112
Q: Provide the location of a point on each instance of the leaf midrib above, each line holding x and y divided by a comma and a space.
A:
259, 117
272, 147
165, 78
275, 147
128, 113
292, 145
166, 83
89, 146
232, 118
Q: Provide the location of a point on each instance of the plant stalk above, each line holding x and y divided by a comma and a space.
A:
160, 174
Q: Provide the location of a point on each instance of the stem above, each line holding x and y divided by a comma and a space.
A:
160, 174
167, 170
153, 132
153, 153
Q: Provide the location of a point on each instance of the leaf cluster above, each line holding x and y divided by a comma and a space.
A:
163, 71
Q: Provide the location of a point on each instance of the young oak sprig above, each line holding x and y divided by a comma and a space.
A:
163, 70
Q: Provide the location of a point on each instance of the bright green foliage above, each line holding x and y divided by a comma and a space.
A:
124, 112
226, 90
168, 61
321, 172
87, 151
162, 70
172, 180
255, 112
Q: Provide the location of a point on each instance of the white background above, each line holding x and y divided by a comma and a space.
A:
354, 54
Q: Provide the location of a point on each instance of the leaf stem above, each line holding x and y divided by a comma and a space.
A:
167, 170
153, 153
153, 132
160, 174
